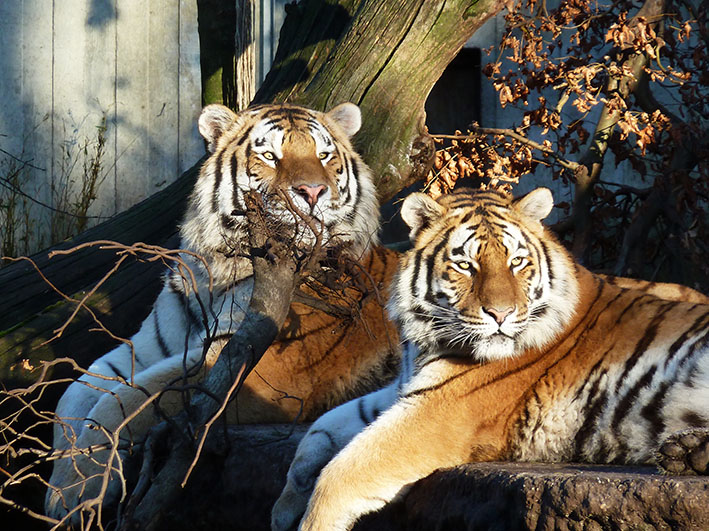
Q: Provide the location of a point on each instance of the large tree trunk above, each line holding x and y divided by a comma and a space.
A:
217, 21
384, 56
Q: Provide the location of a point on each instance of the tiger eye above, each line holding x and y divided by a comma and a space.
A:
323, 155
268, 155
516, 261
463, 265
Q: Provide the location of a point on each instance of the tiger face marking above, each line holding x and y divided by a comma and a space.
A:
283, 148
483, 282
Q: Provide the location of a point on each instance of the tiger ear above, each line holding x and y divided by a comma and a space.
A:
214, 120
347, 116
418, 211
536, 205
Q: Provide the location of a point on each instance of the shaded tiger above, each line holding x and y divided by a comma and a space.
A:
513, 352
312, 366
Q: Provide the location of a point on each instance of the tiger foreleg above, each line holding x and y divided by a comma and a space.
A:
324, 439
92, 466
685, 452
380, 463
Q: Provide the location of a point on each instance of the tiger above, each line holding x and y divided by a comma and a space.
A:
275, 148
513, 351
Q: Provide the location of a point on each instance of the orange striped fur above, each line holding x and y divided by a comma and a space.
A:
514, 352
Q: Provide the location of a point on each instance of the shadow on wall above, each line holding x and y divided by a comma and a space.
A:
101, 13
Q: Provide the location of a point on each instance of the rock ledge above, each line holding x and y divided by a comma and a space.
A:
549, 496
238, 491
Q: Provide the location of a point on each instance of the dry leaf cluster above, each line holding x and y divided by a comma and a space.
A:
485, 158
600, 85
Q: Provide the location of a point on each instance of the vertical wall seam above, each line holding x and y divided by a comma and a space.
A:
115, 107
51, 113
149, 109
272, 45
179, 82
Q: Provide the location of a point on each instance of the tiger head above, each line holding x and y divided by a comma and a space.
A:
484, 277
282, 149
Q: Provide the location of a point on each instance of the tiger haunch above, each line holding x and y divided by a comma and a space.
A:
519, 354
272, 149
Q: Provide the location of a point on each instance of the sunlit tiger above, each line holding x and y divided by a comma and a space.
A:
312, 366
514, 352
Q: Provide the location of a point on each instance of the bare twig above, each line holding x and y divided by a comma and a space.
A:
511, 133
275, 281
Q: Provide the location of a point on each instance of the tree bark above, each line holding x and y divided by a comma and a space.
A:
217, 20
383, 56
245, 54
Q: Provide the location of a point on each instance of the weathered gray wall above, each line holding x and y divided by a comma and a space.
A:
67, 64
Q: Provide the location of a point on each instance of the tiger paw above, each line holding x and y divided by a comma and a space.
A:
291, 504
288, 510
81, 485
80, 498
685, 452
314, 452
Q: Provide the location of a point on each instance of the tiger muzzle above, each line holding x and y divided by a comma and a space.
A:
499, 314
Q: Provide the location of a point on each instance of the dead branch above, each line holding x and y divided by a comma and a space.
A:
26, 451
277, 272
515, 135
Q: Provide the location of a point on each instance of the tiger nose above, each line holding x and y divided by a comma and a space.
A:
311, 193
499, 314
